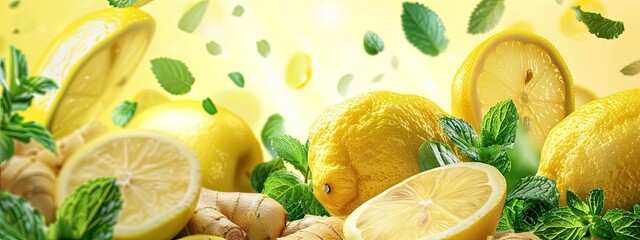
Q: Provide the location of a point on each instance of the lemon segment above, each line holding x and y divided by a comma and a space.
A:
298, 71
159, 179
457, 201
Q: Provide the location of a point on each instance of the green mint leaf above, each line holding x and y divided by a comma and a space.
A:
291, 151
631, 69
496, 156
278, 182
123, 113
626, 225
576, 205
598, 25
18, 220
237, 11
485, 16
343, 84
209, 107
91, 212
372, 43
395, 62
499, 125
237, 78
173, 75
378, 78
18, 69
423, 28
559, 1
522, 215
435, 154
122, 3
7, 147
14, 4
273, 126
38, 85
601, 228
460, 133
561, 223
262, 171
296, 197
214, 48
536, 188
636, 209
312, 205
192, 18
41, 135
510, 211
595, 200
263, 48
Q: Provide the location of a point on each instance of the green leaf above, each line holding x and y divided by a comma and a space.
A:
38, 85
237, 78
601, 228
372, 43
378, 78
173, 75
631, 69
625, 224
214, 48
522, 215
18, 220
91, 212
485, 16
273, 126
538, 188
296, 198
595, 200
122, 3
343, 84
237, 11
561, 223
123, 113
559, 1
496, 156
499, 125
576, 205
6, 146
262, 171
192, 18
312, 206
598, 25
395, 63
41, 135
280, 181
423, 28
291, 151
433, 154
209, 107
14, 4
460, 133
263, 48
18, 69
636, 209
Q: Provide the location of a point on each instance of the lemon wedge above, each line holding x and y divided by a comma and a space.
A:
457, 201
159, 179
91, 60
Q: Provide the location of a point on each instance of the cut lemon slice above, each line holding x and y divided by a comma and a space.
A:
515, 65
457, 201
159, 179
91, 60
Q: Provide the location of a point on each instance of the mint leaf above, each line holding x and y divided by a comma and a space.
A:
192, 18
296, 197
213, 48
536, 187
485, 16
378, 78
41, 135
18, 69
14, 4
636, 209
598, 25
500, 124
209, 107
173, 75
626, 225
237, 11
291, 151
262, 171
576, 205
18, 220
631, 69
460, 133
343, 84
237, 78
122, 3
601, 228
263, 48
278, 182
423, 28
91, 212
509, 219
496, 156
6, 147
595, 200
293, 202
38, 85
561, 223
531, 197
123, 113
433, 154
559, 1
273, 126
372, 43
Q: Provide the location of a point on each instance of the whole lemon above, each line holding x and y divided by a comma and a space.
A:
598, 146
364, 145
224, 144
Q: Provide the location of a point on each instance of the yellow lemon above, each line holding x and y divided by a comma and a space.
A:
457, 201
515, 65
571, 27
362, 146
598, 146
91, 60
159, 179
225, 145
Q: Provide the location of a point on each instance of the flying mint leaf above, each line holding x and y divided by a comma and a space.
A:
291, 151
214, 48
595, 200
263, 48
237, 78
18, 220
561, 223
91, 212
192, 18
14, 4
237, 11
273, 126
378, 78
631, 69
343, 84
559, 1
598, 25
460, 133
423, 28
496, 156
576, 205
485, 16
626, 225
262, 171
173, 75
435, 154
372, 43
601, 228
499, 125
122, 3
123, 113
209, 107
395, 63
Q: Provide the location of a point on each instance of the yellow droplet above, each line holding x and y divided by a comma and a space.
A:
522, 25
583, 96
298, 71
571, 27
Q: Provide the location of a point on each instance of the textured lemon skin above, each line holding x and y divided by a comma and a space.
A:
224, 144
598, 146
364, 145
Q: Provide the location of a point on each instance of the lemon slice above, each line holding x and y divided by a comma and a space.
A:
298, 71
159, 179
571, 27
457, 201
91, 60
515, 65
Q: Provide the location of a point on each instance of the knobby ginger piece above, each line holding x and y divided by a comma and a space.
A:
314, 227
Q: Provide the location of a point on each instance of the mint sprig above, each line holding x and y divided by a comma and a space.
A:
485, 16
423, 28
600, 26
123, 113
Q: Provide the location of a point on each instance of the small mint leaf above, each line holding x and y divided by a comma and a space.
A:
631, 69
173, 75
576, 205
343, 84
237, 78
626, 225
192, 18
262, 171
601, 228
213, 48
123, 113
263, 48
273, 126
209, 107
460, 133
485, 16
499, 125
291, 151
496, 156
238, 11
598, 25
372, 43
279, 181
561, 223
423, 28
595, 200
122, 3
435, 154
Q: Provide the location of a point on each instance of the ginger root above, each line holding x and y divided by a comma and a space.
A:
314, 227
235, 215
508, 235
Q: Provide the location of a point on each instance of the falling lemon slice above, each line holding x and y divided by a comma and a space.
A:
91, 60
298, 71
457, 201
159, 179
515, 65
571, 27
